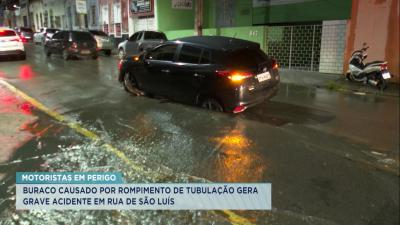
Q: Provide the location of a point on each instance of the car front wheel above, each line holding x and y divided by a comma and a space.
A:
131, 86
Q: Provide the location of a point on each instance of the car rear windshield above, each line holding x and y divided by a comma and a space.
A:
52, 31
98, 32
154, 35
82, 36
23, 29
246, 59
7, 33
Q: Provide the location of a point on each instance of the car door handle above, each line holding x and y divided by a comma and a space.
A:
165, 70
198, 75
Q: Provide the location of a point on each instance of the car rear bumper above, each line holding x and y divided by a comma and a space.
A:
78, 53
105, 46
12, 52
244, 99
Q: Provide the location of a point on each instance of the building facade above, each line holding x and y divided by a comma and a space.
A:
312, 35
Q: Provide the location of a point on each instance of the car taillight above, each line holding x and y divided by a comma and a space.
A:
74, 45
239, 109
384, 66
274, 64
235, 76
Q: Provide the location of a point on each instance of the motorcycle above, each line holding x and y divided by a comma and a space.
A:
374, 73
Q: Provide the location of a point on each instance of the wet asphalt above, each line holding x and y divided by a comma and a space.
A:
332, 157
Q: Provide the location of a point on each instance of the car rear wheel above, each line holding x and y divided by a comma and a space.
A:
23, 57
107, 52
95, 56
121, 53
212, 104
47, 52
131, 86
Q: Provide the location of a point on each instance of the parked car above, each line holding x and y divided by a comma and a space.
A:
216, 73
25, 33
104, 42
139, 42
72, 44
11, 44
44, 35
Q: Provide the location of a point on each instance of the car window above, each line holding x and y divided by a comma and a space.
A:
7, 33
149, 35
134, 36
165, 53
99, 33
82, 36
190, 54
52, 31
23, 29
205, 57
245, 59
59, 35
139, 36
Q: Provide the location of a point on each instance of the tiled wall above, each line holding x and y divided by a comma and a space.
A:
295, 47
332, 46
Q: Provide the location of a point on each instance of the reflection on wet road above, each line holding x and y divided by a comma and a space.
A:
319, 149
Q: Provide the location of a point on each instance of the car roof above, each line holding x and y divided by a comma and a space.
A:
218, 42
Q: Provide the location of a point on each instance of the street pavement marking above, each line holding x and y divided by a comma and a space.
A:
234, 218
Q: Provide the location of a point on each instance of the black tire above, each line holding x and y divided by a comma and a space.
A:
382, 84
22, 57
121, 53
95, 56
65, 55
212, 104
47, 52
130, 85
107, 52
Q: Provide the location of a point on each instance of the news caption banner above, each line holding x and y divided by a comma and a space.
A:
108, 191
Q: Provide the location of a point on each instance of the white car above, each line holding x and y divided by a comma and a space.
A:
139, 42
11, 44
44, 35
104, 42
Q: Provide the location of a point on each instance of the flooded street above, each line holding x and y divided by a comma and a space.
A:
331, 157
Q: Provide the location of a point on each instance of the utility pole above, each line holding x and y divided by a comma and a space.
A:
198, 20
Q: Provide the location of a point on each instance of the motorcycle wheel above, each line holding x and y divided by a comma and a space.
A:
382, 84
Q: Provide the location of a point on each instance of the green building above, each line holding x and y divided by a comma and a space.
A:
300, 34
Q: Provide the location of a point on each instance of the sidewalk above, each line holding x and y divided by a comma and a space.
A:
335, 82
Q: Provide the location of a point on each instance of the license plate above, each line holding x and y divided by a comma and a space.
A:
85, 52
263, 76
386, 75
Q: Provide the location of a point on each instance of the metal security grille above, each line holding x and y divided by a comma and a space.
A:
295, 47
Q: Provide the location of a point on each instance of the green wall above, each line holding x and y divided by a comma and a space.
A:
251, 33
178, 23
173, 19
246, 15
317, 10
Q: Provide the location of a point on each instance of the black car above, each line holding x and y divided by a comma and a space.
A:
72, 44
216, 73
25, 33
